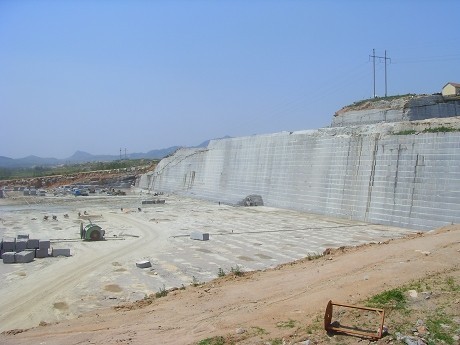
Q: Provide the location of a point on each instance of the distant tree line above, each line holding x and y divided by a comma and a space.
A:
41, 171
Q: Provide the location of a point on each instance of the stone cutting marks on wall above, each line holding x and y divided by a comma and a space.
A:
403, 180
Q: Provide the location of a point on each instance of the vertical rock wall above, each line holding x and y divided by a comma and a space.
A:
403, 109
403, 180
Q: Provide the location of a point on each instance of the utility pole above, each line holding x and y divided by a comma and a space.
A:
373, 67
384, 58
120, 153
125, 154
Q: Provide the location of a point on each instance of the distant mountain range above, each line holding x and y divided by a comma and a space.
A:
83, 157
79, 157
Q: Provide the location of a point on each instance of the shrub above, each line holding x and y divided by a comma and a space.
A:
162, 292
236, 271
220, 272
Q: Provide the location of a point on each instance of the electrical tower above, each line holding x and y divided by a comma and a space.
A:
384, 58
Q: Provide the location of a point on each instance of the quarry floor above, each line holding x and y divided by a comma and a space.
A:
72, 295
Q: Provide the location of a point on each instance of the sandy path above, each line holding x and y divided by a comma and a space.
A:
23, 304
262, 299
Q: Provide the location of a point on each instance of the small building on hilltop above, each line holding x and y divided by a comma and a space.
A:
451, 89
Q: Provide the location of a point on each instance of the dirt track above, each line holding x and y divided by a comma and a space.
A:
260, 300
28, 300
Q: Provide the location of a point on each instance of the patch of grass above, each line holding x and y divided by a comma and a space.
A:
440, 328
418, 285
259, 330
286, 324
315, 326
212, 341
276, 341
441, 129
162, 292
390, 299
452, 285
236, 271
406, 132
220, 272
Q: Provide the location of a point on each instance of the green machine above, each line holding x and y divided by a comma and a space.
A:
91, 232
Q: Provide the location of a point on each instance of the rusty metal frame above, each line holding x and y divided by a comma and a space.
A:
350, 329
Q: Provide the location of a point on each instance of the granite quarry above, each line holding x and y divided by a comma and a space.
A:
394, 162
308, 191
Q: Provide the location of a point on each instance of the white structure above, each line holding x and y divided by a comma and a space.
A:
451, 89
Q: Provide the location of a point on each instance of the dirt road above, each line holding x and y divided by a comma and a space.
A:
258, 302
24, 303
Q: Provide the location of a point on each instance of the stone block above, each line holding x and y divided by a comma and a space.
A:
41, 253
60, 252
20, 245
32, 243
200, 236
44, 244
9, 257
9, 244
25, 256
143, 264
23, 236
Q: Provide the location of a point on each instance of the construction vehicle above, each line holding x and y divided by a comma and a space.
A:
91, 232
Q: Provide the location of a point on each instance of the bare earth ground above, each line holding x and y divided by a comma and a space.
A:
248, 309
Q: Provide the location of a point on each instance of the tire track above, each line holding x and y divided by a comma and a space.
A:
24, 305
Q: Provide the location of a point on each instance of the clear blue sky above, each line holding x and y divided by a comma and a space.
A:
100, 75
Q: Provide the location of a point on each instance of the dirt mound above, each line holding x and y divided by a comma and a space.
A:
275, 306
393, 102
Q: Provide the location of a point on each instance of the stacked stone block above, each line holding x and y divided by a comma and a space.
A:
9, 257
43, 248
9, 244
21, 245
23, 249
32, 243
25, 256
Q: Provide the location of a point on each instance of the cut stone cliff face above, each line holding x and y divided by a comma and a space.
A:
395, 109
402, 173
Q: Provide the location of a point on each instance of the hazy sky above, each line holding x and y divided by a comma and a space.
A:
100, 75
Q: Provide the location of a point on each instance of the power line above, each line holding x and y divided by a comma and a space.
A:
429, 59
